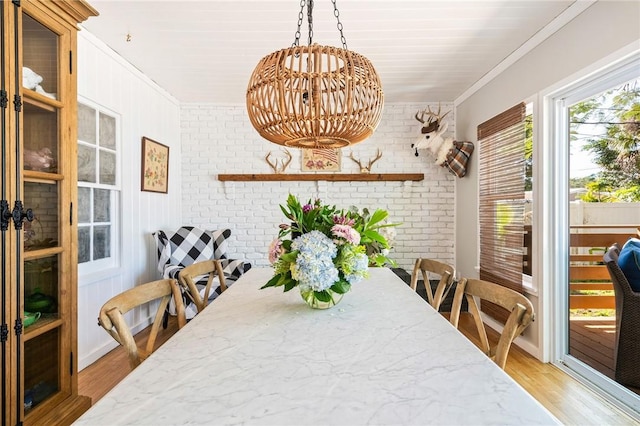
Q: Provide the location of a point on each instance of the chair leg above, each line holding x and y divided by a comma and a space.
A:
165, 319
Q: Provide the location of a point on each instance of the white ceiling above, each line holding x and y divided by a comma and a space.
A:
205, 51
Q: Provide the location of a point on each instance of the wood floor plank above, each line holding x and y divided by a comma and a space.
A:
101, 376
591, 340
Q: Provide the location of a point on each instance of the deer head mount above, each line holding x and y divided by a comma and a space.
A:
367, 168
433, 129
453, 155
280, 164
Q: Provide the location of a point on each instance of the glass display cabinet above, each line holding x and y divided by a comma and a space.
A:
39, 192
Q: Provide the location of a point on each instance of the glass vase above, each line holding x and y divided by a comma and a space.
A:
310, 299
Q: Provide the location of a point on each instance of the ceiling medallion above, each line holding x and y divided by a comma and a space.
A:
315, 96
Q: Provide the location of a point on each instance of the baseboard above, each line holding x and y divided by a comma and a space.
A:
519, 341
96, 354
109, 345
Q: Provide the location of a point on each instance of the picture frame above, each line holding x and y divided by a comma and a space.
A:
321, 160
155, 166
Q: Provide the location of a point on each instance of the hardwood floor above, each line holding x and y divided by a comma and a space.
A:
591, 340
570, 401
98, 378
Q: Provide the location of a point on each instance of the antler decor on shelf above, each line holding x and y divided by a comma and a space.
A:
366, 169
280, 164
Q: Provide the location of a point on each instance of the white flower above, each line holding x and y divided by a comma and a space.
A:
389, 233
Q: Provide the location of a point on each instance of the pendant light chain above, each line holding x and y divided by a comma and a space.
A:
310, 21
296, 41
336, 13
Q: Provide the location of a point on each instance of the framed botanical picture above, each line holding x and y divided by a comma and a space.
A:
155, 166
321, 160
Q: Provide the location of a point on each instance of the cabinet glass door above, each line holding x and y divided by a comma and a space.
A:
39, 58
42, 191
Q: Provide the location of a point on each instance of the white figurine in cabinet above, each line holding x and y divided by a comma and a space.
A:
31, 80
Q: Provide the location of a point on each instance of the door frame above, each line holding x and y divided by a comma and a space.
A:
615, 69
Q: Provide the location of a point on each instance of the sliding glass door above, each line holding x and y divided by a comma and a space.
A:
593, 201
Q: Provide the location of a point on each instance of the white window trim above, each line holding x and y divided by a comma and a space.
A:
531, 282
89, 271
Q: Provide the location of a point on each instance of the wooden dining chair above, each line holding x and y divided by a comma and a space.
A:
519, 307
111, 316
189, 245
427, 268
197, 280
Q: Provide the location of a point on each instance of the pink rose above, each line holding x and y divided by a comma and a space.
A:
347, 233
275, 250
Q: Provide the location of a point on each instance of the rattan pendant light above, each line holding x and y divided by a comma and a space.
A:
315, 96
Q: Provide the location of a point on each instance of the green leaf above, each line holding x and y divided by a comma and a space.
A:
341, 286
387, 225
286, 213
382, 260
323, 296
378, 216
293, 202
289, 284
376, 236
290, 257
273, 282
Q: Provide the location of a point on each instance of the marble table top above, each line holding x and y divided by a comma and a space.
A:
382, 356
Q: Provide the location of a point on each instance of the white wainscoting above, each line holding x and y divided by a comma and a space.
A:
145, 110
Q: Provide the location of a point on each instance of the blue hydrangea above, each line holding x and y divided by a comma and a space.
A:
315, 242
314, 266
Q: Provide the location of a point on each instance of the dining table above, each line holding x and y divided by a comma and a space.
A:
381, 356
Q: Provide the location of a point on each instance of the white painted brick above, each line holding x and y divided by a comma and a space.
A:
220, 139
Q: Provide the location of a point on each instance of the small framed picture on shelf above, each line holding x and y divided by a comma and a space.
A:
155, 166
321, 160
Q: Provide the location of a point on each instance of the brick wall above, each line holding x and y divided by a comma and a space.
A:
220, 139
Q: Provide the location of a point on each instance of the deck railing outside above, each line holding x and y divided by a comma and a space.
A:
589, 281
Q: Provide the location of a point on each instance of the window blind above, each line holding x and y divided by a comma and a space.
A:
501, 201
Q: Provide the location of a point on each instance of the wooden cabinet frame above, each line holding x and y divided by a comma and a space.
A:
39, 383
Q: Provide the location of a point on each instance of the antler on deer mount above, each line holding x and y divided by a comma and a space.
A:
366, 169
432, 129
280, 164
433, 119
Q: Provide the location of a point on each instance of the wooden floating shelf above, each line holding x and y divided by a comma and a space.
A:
334, 177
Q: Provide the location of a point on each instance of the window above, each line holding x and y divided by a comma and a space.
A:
502, 179
98, 187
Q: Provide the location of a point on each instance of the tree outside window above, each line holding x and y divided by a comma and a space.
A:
607, 127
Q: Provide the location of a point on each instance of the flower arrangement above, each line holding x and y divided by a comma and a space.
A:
328, 250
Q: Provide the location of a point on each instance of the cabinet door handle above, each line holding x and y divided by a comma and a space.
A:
18, 214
